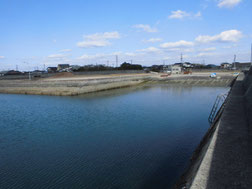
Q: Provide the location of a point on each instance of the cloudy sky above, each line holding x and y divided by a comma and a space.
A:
35, 33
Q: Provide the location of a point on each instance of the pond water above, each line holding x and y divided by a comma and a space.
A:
134, 138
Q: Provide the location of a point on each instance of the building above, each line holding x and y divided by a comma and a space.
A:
241, 66
187, 65
62, 66
52, 69
2, 73
225, 65
176, 69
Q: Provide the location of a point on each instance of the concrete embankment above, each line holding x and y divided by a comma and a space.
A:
78, 84
223, 159
197, 80
69, 86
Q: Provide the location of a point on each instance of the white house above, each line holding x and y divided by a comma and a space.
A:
176, 69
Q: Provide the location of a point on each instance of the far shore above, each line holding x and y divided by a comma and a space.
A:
68, 84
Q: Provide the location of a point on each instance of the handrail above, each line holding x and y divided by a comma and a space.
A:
220, 99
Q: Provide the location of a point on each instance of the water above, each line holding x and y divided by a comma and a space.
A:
129, 138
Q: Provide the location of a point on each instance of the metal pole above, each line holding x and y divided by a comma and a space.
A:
116, 61
251, 55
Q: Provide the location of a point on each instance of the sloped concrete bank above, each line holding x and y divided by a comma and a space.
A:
197, 81
69, 86
223, 159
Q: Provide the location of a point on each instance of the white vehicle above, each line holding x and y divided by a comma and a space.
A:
213, 75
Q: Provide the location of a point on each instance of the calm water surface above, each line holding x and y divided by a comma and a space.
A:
129, 138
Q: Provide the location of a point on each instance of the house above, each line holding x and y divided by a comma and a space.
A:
187, 65
62, 66
225, 65
241, 66
51, 69
176, 69
2, 73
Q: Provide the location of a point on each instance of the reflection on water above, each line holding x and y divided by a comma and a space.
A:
139, 137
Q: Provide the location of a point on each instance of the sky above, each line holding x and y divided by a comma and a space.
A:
39, 33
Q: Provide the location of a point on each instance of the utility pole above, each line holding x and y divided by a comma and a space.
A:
16, 67
181, 58
107, 63
251, 55
116, 61
234, 62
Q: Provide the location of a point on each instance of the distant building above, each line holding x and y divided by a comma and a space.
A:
52, 69
62, 66
167, 68
176, 69
2, 73
241, 66
187, 65
225, 65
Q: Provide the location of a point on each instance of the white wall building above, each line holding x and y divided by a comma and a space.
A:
176, 69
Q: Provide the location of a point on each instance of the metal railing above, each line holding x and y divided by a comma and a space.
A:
220, 99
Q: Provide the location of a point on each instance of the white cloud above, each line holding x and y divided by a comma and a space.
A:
65, 50
103, 36
179, 14
228, 3
230, 46
226, 36
130, 54
1, 57
89, 44
150, 50
146, 28
88, 57
153, 40
57, 56
208, 49
177, 44
204, 54
98, 39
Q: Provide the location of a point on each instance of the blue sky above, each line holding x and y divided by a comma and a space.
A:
35, 33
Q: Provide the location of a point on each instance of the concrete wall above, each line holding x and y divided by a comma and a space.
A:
247, 84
